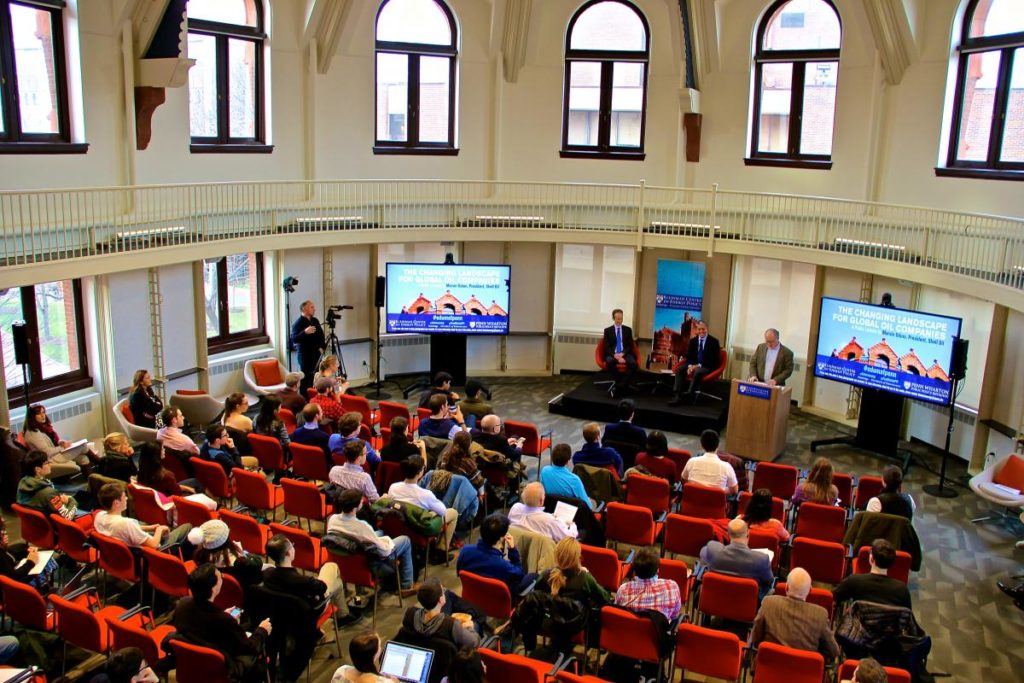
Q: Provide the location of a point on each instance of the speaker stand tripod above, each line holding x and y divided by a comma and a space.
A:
377, 394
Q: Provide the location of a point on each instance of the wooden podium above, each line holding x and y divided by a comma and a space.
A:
758, 416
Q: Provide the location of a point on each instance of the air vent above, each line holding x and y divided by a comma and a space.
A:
576, 339
413, 340
64, 412
231, 366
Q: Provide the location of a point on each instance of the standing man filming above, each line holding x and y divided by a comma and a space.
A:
618, 348
309, 341
772, 363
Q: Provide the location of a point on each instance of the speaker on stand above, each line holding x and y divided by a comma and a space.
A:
957, 372
378, 302
19, 334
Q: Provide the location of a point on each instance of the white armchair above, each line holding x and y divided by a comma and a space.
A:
264, 376
984, 485
133, 432
199, 408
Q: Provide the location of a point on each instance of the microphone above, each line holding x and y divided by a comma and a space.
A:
344, 308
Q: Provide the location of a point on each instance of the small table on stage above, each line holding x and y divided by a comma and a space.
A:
758, 416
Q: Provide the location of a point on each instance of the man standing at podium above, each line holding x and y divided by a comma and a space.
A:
772, 363
702, 357
618, 348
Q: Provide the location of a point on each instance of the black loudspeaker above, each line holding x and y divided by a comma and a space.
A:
19, 332
958, 359
378, 292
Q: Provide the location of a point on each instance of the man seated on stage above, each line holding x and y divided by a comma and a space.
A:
702, 357
530, 515
593, 453
772, 363
490, 437
708, 469
474, 407
442, 385
618, 348
624, 431
442, 423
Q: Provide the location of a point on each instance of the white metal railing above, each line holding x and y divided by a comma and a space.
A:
61, 224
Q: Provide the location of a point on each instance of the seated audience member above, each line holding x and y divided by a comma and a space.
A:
36, 491
199, 621
494, 555
220, 448
474, 406
117, 462
212, 543
154, 475
490, 436
290, 397
429, 619
891, 499
570, 579
113, 500
409, 491
467, 667
39, 435
328, 369
652, 457
739, 466
737, 557
309, 433
327, 392
171, 436
269, 423
876, 585
758, 515
364, 650
348, 431
400, 446
127, 665
387, 549
708, 469
285, 578
351, 475
819, 487
145, 404
16, 559
793, 622
593, 453
868, 671
235, 406
558, 480
457, 459
646, 591
624, 431
442, 423
442, 385
529, 514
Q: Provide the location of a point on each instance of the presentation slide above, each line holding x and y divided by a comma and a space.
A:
899, 351
429, 298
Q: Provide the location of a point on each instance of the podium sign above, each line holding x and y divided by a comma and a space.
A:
758, 419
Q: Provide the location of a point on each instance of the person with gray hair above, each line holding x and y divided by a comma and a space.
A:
290, 397
772, 363
792, 621
737, 557
529, 514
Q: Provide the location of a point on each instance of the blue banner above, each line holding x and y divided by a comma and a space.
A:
754, 390
678, 302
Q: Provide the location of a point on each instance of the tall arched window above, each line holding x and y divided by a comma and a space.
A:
417, 46
225, 87
796, 68
604, 105
987, 134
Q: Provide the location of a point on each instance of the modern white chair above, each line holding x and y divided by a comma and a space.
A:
133, 432
198, 407
264, 376
984, 485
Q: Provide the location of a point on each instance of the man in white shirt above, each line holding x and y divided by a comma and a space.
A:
113, 498
409, 491
709, 469
388, 549
529, 514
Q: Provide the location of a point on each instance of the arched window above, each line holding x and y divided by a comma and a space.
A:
416, 56
987, 131
604, 105
796, 68
225, 86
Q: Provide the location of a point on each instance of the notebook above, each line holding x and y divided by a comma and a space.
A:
406, 662
564, 512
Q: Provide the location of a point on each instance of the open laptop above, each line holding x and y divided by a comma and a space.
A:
406, 662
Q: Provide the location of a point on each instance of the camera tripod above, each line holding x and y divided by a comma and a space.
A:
332, 345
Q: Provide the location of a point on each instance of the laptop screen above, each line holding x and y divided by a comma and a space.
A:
406, 662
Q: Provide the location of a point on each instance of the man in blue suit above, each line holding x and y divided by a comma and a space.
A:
737, 557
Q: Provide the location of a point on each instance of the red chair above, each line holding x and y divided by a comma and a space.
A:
631, 524
703, 501
175, 462
680, 457
708, 652
308, 462
288, 418
723, 360
844, 482
242, 528
359, 404
387, 474
304, 500
421, 415
268, 450
490, 596
823, 522
599, 356
728, 597
778, 506
900, 569
72, 540
768, 541
214, 480
195, 663
780, 664
356, 570
894, 675
124, 634
822, 597
147, 507
116, 559
605, 566
389, 410
867, 488
627, 634
35, 527
230, 594
191, 512
650, 492
166, 573
685, 535
567, 677
256, 493
24, 605
79, 626
309, 555
512, 667
781, 480
676, 570
823, 560
535, 443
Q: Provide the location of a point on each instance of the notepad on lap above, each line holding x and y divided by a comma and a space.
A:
44, 559
76, 444
565, 513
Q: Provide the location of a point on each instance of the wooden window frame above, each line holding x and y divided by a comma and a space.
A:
607, 58
227, 340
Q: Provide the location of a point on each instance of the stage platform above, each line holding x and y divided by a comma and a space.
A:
591, 402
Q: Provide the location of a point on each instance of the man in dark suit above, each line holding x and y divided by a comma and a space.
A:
618, 348
772, 363
308, 337
737, 557
702, 357
624, 431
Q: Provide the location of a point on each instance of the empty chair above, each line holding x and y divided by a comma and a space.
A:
304, 500
387, 474
823, 522
116, 559
680, 457
73, 541
568, 677
213, 478
197, 407
79, 626
780, 664
355, 569
649, 492
629, 635
23, 605
166, 573
256, 493
631, 524
389, 410
308, 462
605, 566
781, 480
147, 506
251, 534
196, 663
125, 634
535, 443
823, 560
35, 527
893, 674
191, 512
708, 652
900, 569
844, 483
703, 501
265, 376
359, 404
685, 535
268, 451
768, 541
309, 555
728, 597
867, 488
490, 596
513, 667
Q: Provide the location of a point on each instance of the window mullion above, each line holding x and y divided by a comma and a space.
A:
222, 297
604, 117
223, 120
1000, 106
796, 108
412, 107
28, 313
12, 110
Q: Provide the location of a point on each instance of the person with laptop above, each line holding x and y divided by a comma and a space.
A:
364, 651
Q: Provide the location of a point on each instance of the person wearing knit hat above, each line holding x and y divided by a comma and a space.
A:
212, 543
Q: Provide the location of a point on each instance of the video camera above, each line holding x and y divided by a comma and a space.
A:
334, 313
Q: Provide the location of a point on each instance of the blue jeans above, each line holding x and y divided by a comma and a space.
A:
8, 648
192, 483
403, 553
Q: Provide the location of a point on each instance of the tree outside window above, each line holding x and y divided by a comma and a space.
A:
233, 298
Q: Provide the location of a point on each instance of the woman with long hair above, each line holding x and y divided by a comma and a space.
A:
570, 578
268, 421
758, 515
328, 368
400, 446
144, 403
654, 460
235, 406
154, 475
364, 650
40, 435
457, 459
819, 487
